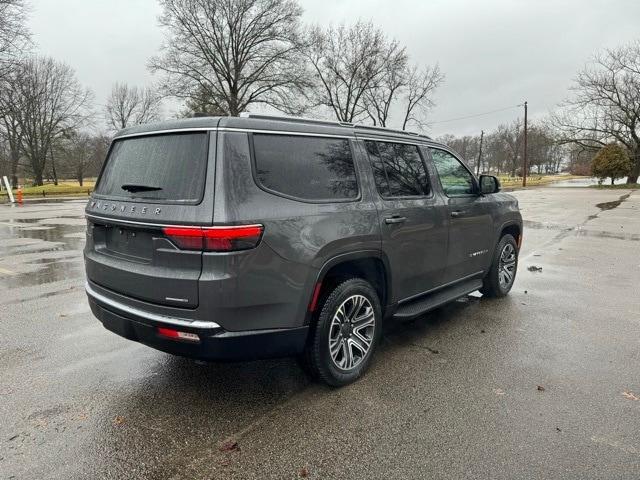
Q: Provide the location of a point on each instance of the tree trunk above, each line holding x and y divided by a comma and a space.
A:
635, 171
15, 159
233, 105
80, 176
53, 168
37, 178
53, 172
613, 181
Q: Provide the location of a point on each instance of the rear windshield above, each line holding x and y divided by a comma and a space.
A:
168, 168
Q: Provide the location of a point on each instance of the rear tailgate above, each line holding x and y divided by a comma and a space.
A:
150, 182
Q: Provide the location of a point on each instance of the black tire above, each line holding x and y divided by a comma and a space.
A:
492, 286
317, 357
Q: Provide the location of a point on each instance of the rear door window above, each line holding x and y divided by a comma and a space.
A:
164, 168
398, 169
308, 168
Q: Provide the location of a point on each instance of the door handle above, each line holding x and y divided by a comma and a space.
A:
395, 219
457, 213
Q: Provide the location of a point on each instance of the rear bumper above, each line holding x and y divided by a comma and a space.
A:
215, 342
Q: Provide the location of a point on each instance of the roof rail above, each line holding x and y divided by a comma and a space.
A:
262, 116
391, 130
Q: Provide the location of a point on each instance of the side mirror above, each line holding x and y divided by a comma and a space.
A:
489, 184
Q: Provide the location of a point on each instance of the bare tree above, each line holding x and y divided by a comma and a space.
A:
14, 35
14, 41
349, 63
201, 103
80, 154
605, 104
128, 105
466, 146
419, 97
10, 130
77, 151
579, 159
379, 99
4, 156
47, 103
12, 135
511, 136
503, 148
100, 143
545, 152
237, 53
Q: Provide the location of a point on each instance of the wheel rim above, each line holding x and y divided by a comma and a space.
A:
352, 331
507, 266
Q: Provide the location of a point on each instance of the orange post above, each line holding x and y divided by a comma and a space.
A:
19, 195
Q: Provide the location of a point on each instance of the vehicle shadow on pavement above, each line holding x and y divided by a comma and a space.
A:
420, 329
181, 409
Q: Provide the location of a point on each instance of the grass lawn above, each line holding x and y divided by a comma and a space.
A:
63, 188
534, 180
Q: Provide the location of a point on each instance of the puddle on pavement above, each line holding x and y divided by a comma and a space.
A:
49, 272
42, 261
579, 231
25, 220
64, 233
614, 204
41, 296
635, 237
58, 233
546, 226
31, 248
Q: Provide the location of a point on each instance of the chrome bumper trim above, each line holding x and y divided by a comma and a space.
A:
127, 310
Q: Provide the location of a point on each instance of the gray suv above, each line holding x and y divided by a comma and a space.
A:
253, 237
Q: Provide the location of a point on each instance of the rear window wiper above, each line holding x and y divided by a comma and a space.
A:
129, 187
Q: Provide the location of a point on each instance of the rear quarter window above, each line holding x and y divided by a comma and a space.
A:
308, 168
174, 165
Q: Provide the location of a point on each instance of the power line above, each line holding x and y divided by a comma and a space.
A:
477, 114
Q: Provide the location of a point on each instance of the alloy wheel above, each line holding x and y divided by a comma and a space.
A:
351, 332
507, 266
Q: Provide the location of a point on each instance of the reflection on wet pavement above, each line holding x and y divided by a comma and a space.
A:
41, 244
585, 182
582, 229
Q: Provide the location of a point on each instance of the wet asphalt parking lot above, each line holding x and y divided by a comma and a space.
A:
542, 384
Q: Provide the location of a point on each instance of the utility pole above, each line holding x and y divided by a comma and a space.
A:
525, 167
479, 153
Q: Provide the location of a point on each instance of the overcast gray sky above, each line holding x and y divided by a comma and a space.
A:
494, 53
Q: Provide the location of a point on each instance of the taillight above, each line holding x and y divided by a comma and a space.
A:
185, 238
215, 239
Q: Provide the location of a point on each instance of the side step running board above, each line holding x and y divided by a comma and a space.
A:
437, 299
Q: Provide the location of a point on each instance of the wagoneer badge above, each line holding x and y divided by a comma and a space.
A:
112, 207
